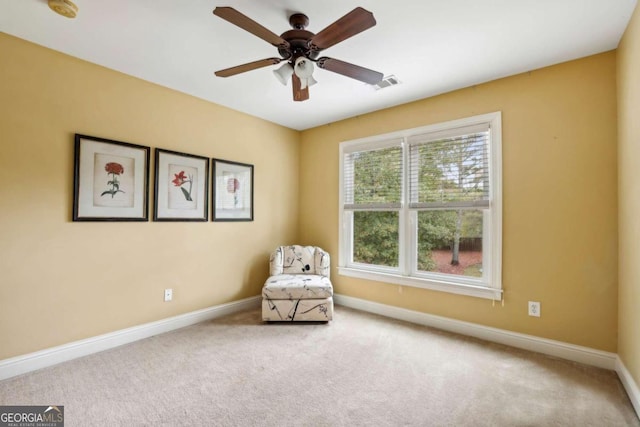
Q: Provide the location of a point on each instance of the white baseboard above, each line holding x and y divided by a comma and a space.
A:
629, 384
586, 355
52, 356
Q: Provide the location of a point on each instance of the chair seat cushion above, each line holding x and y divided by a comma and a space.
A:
297, 286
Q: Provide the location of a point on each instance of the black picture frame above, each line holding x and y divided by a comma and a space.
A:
181, 186
232, 191
110, 181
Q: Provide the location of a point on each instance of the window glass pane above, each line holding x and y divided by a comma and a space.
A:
450, 241
450, 170
374, 177
375, 237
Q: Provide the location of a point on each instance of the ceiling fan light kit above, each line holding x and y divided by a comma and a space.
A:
300, 48
65, 8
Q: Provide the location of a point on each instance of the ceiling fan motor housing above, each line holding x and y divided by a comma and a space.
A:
298, 39
298, 45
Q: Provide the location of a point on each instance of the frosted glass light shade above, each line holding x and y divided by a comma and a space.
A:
284, 73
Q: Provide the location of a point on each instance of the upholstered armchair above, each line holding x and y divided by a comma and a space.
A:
298, 288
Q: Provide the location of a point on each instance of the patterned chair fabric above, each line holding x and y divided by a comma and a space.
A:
299, 260
299, 288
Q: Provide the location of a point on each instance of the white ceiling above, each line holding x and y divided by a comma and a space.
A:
432, 46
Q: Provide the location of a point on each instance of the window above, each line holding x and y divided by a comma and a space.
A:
422, 207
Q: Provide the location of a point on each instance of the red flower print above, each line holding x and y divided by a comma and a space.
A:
114, 168
233, 185
179, 179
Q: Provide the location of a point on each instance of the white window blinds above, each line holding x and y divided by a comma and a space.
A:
373, 178
450, 170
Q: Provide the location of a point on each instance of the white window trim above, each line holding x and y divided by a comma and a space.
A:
405, 274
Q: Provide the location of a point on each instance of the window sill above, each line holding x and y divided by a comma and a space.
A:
442, 286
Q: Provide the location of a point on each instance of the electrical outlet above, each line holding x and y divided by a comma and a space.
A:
168, 295
534, 308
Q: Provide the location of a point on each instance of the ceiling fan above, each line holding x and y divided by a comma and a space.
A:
300, 48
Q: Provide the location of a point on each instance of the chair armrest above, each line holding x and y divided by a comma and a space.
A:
322, 262
276, 263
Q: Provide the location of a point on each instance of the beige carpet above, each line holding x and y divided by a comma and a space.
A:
359, 370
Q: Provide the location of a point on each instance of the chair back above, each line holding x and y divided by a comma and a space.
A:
297, 259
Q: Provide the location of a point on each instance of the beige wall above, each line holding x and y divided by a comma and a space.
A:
62, 281
629, 191
560, 196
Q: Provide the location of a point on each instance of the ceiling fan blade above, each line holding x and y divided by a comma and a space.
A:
349, 25
350, 70
233, 16
298, 93
227, 72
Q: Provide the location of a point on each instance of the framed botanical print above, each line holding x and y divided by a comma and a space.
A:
181, 190
111, 180
232, 191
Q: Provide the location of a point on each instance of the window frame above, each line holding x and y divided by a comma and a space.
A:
407, 274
